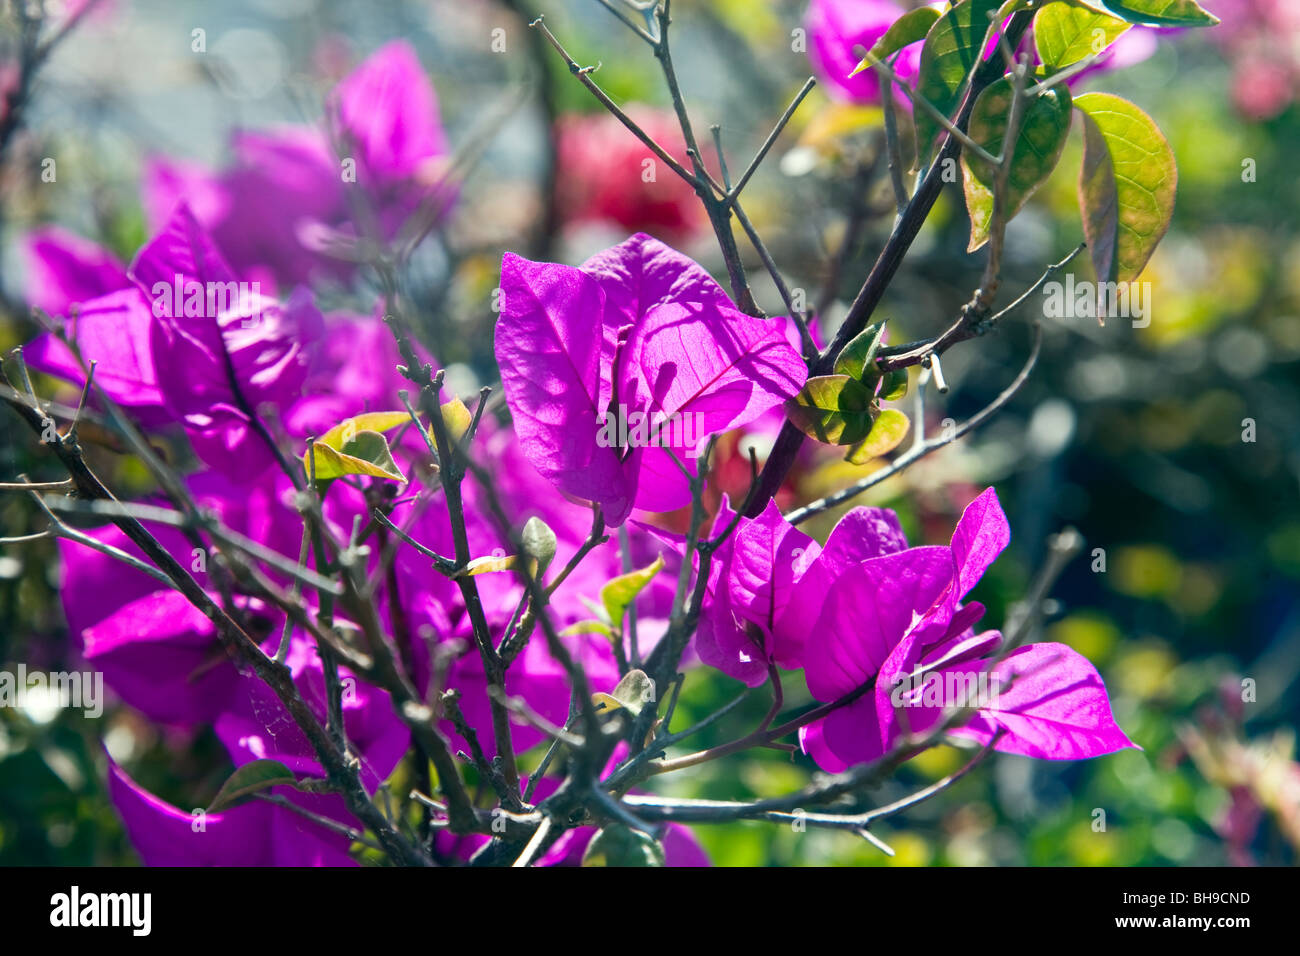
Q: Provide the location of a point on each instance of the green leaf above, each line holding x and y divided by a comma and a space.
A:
1065, 33
952, 47
906, 30
834, 409
539, 543
620, 845
633, 692
1044, 128
893, 386
886, 434
1162, 13
1126, 185
857, 356
619, 593
249, 779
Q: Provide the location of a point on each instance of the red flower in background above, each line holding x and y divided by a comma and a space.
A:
609, 176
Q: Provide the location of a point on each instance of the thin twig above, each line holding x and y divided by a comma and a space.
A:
734, 193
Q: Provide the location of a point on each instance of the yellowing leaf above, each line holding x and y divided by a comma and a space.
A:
488, 565
355, 446
887, 433
457, 419
368, 421
1126, 185
619, 593
587, 627
366, 454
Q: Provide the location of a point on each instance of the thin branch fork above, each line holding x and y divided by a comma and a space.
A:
707, 188
772, 137
450, 474
969, 325
584, 76
888, 76
764, 736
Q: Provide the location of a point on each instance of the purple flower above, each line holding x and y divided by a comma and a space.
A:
1042, 700
766, 576
103, 314
841, 31
388, 112
276, 209
94, 585
288, 172
220, 348
114, 332
897, 619
64, 269
252, 834
160, 654
745, 619
640, 334
354, 369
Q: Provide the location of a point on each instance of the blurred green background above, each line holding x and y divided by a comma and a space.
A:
1132, 435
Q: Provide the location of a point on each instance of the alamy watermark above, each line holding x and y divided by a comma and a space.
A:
1082, 299
946, 689
625, 429
184, 298
133, 911
37, 691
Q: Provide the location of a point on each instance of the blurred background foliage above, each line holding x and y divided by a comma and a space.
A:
1132, 435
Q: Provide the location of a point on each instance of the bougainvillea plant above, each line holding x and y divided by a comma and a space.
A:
356, 570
